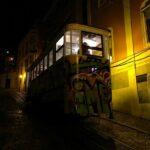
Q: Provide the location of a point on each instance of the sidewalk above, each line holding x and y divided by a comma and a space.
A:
128, 132
132, 121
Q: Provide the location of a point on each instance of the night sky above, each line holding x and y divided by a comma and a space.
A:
17, 17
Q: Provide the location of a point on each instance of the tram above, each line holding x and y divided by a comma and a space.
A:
73, 77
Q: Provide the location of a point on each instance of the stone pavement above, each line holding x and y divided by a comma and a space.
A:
128, 131
22, 131
19, 132
132, 121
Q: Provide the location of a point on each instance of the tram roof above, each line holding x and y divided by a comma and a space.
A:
75, 26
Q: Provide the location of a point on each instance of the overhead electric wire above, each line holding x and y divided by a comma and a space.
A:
133, 55
130, 62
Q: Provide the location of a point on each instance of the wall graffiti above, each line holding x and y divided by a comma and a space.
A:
91, 87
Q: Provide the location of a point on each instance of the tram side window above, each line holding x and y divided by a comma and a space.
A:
59, 48
68, 43
92, 44
50, 58
34, 70
45, 62
59, 54
37, 70
41, 66
32, 75
72, 42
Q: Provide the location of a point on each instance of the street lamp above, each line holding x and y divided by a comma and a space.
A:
20, 76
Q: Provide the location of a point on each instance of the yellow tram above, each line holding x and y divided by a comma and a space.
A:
74, 75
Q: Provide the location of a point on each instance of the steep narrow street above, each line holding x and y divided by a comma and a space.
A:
21, 131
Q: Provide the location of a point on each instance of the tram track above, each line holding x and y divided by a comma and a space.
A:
124, 136
128, 126
102, 141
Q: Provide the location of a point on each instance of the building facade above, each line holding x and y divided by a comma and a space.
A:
129, 22
130, 67
8, 74
9, 80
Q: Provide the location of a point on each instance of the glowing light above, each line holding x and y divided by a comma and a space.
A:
90, 51
60, 43
7, 51
20, 76
90, 42
75, 49
110, 58
24, 75
11, 58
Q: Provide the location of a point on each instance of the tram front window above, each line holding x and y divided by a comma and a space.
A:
91, 44
72, 42
68, 44
75, 42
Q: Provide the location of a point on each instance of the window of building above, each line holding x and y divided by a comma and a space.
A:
145, 9
143, 84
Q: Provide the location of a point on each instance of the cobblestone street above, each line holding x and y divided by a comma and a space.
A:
127, 130
21, 131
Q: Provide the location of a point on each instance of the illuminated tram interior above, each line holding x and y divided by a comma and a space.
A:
73, 42
75, 72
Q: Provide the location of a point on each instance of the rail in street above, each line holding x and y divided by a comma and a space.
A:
124, 135
19, 130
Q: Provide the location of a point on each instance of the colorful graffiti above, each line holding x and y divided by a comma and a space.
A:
81, 85
91, 86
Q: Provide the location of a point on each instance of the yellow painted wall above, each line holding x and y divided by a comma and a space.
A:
136, 25
124, 17
124, 87
25, 55
111, 15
